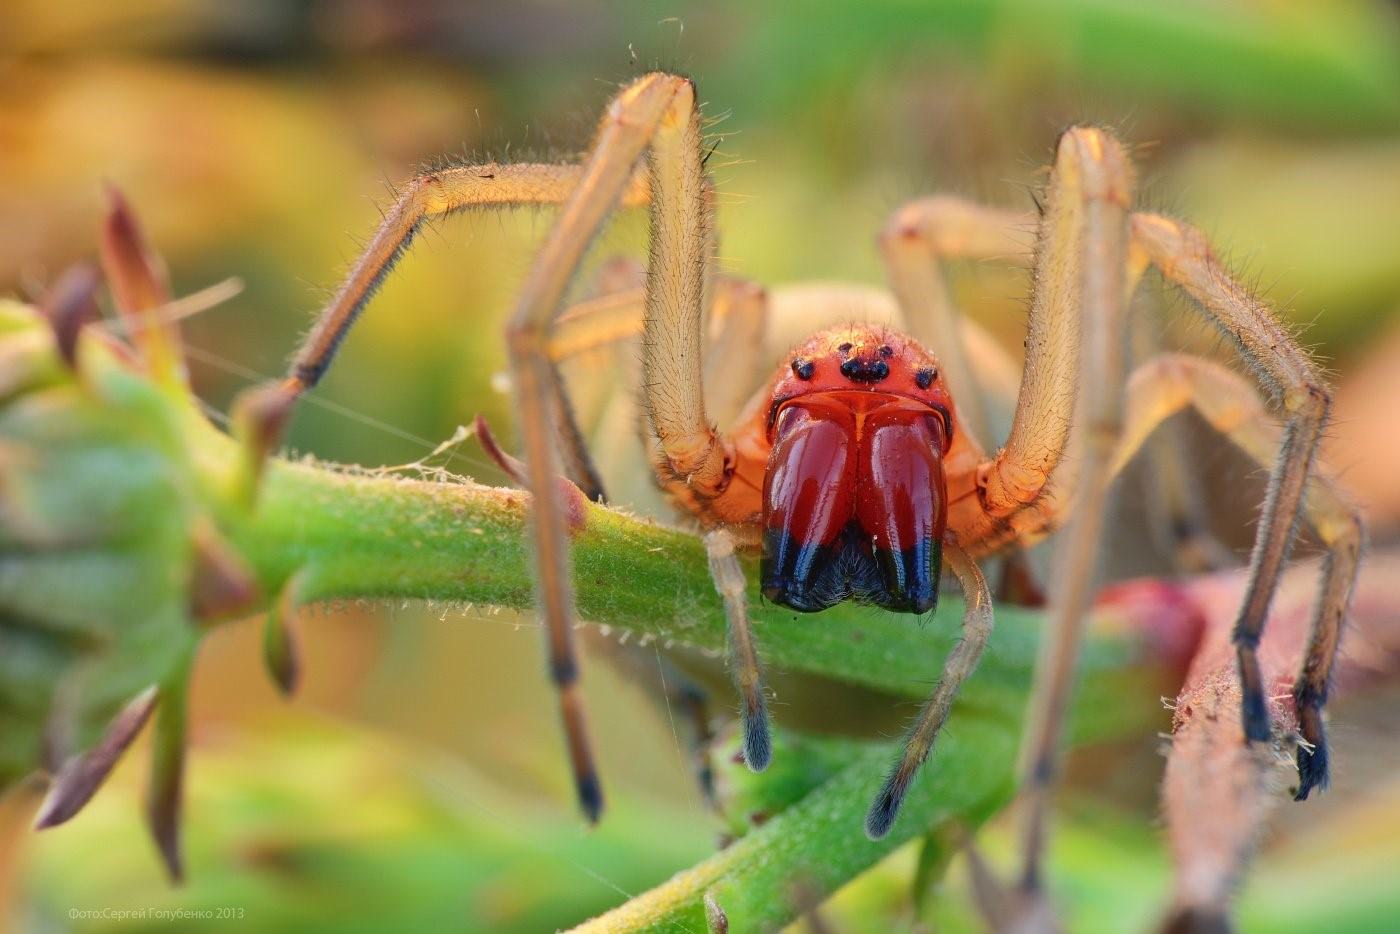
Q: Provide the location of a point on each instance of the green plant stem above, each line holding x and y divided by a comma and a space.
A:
358, 536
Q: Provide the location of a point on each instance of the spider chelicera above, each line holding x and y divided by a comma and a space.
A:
850, 468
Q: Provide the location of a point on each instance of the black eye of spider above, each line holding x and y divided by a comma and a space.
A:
886, 351
862, 372
803, 369
844, 348
925, 377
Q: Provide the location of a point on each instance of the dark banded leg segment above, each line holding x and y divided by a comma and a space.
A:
977, 628
730, 582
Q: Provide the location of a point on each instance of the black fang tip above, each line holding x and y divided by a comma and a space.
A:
590, 797
1314, 770
758, 743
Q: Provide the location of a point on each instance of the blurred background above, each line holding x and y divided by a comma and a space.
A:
418, 779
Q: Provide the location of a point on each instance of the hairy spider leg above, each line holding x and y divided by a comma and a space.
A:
1295, 386
1088, 194
1075, 367
649, 112
1170, 383
977, 628
916, 244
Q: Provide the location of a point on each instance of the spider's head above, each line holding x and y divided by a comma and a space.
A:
854, 499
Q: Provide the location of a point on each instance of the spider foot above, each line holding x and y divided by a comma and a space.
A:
758, 743
885, 808
1314, 762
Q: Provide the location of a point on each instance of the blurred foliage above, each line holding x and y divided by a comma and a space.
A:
259, 139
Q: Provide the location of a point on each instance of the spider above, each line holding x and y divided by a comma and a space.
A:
850, 469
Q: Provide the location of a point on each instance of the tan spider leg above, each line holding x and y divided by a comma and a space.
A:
977, 627
576, 460
638, 116
1176, 507
673, 381
916, 243
1295, 385
919, 238
744, 667
739, 319
597, 322
673, 378
261, 414
1168, 384
432, 195
640, 112
734, 351
738, 326
1082, 285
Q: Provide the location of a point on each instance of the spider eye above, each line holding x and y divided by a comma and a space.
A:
803, 369
925, 377
865, 372
886, 351
845, 348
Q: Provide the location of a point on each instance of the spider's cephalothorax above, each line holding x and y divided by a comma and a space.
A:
855, 503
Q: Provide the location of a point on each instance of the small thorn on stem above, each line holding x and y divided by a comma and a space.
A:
573, 498
140, 288
510, 465
222, 585
80, 777
281, 641
260, 417
166, 792
69, 305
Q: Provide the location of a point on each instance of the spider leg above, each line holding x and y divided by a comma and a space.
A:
734, 349
735, 346
573, 447
738, 326
744, 666
261, 414
977, 627
647, 112
916, 243
1177, 514
596, 323
673, 378
1297, 387
666, 683
644, 113
690, 449
1168, 384
1082, 284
